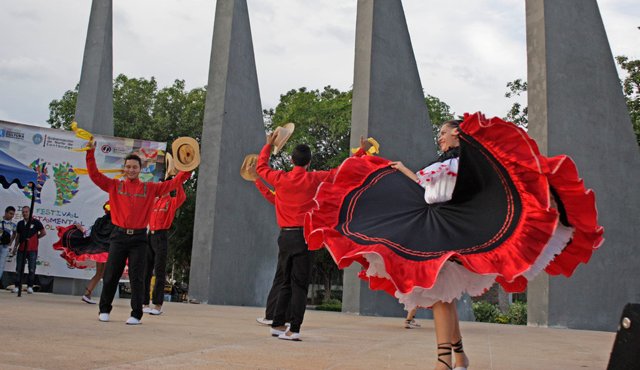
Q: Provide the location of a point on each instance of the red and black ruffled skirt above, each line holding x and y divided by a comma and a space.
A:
82, 251
513, 213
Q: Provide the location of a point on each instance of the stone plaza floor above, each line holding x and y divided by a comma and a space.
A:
48, 331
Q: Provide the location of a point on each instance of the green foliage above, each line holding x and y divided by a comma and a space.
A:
323, 121
517, 114
485, 311
439, 111
517, 313
631, 89
330, 305
62, 112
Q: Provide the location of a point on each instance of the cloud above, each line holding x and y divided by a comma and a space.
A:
466, 51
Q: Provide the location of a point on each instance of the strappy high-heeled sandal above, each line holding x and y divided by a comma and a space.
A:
444, 347
457, 348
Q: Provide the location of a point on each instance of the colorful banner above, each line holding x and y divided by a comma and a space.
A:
65, 194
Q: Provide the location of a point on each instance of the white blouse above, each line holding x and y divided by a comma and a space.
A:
438, 180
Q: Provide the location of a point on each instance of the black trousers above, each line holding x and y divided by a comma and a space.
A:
295, 259
156, 263
31, 259
272, 298
123, 247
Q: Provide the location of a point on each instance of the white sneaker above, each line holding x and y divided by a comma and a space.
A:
133, 321
290, 336
29, 290
104, 317
14, 290
146, 309
411, 324
263, 321
277, 332
155, 312
88, 300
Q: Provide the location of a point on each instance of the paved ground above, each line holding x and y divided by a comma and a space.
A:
60, 332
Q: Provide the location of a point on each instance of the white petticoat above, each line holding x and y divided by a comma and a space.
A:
454, 279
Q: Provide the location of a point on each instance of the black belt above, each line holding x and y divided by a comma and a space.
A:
131, 231
299, 228
157, 231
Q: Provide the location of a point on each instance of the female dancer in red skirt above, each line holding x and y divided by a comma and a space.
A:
80, 250
490, 209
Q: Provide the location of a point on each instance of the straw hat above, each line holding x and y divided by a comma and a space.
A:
169, 166
248, 168
186, 153
283, 133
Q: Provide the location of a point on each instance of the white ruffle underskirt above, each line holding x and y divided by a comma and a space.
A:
454, 279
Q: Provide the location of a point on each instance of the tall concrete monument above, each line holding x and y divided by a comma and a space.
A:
234, 241
94, 109
388, 104
576, 106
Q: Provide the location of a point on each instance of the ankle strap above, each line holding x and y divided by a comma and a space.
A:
457, 347
444, 347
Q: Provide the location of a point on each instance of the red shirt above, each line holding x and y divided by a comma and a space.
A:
164, 210
30, 238
267, 193
131, 200
294, 190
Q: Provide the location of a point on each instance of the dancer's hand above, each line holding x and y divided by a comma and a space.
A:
91, 144
271, 138
365, 144
398, 166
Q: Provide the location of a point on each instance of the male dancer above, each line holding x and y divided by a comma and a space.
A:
131, 202
164, 210
293, 199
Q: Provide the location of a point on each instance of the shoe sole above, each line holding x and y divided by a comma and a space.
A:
291, 340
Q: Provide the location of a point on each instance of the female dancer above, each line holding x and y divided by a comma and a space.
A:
77, 248
490, 209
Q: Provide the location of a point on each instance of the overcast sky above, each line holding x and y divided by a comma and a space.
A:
466, 50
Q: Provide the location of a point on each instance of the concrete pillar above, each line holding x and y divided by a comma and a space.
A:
388, 104
234, 241
94, 109
576, 106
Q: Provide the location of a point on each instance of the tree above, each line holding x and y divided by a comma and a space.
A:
141, 111
439, 111
517, 114
323, 121
631, 89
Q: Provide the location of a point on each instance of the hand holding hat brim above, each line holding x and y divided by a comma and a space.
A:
248, 168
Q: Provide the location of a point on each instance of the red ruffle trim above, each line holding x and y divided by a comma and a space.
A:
75, 260
580, 207
531, 174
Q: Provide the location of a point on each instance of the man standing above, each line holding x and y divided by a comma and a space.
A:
294, 192
27, 246
131, 202
162, 214
7, 236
